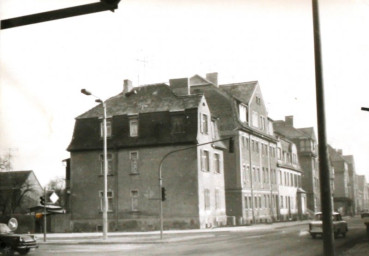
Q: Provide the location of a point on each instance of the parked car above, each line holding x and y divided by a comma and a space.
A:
339, 225
10, 242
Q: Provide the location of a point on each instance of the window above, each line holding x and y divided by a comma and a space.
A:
134, 200
110, 164
258, 100
255, 119
244, 174
214, 130
204, 124
133, 157
110, 200
243, 113
217, 199
177, 123
217, 164
279, 153
205, 161
108, 128
133, 127
207, 199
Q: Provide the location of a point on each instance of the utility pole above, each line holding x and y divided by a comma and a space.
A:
45, 222
325, 188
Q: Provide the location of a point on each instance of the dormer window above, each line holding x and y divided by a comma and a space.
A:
204, 124
214, 129
255, 119
177, 123
108, 128
243, 113
133, 126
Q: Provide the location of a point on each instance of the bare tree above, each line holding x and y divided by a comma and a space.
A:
17, 198
58, 186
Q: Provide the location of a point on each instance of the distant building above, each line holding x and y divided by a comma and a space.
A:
343, 202
292, 198
306, 142
19, 191
361, 187
144, 125
352, 182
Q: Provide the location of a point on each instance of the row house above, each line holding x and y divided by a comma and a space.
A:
307, 152
251, 178
343, 201
144, 124
352, 183
292, 198
361, 189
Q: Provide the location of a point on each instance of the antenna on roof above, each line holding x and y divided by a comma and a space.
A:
143, 61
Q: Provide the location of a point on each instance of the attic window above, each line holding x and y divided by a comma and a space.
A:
177, 123
243, 113
108, 128
258, 100
133, 126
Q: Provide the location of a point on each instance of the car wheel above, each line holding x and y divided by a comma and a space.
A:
7, 251
23, 251
313, 236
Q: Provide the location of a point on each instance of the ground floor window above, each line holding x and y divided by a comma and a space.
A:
110, 200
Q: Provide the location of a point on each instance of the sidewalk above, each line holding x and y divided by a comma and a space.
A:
152, 237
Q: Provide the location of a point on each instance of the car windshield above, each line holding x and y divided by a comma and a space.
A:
4, 229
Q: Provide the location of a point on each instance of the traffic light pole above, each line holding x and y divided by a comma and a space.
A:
44, 217
161, 178
103, 5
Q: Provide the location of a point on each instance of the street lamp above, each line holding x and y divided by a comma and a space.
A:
105, 204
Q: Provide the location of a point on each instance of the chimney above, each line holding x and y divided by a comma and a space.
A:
180, 86
289, 120
127, 86
339, 151
212, 77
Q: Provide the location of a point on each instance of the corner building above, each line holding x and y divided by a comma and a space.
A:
144, 124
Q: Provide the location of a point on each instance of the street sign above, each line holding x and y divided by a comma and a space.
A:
54, 197
13, 224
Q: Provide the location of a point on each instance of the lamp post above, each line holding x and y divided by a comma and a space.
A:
105, 205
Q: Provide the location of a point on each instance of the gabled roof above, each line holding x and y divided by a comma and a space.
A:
291, 132
335, 156
13, 179
241, 91
144, 99
309, 131
349, 159
199, 80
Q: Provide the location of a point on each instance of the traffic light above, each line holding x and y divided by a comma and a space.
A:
231, 145
42, 200
163, 195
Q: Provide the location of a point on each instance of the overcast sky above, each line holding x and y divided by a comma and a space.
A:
44, 66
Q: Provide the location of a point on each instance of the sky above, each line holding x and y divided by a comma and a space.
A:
44, 66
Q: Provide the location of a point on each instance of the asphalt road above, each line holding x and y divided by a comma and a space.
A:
293, 240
